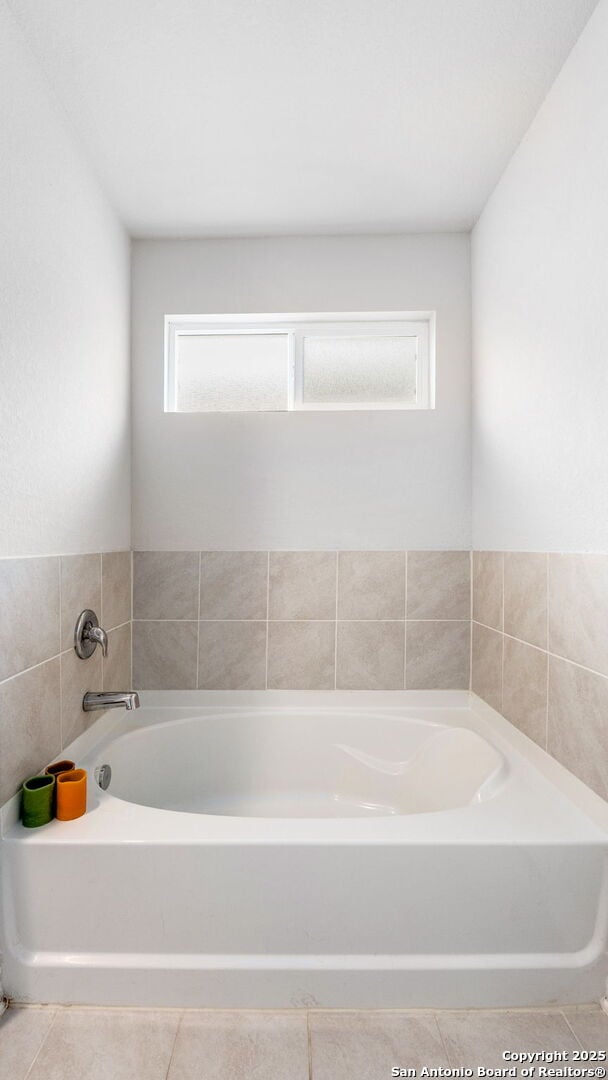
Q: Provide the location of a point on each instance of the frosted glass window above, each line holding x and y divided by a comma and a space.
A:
299, 361
239, 372
359, 370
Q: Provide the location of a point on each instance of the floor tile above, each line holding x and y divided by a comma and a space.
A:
111, 1044
107, 1044
22, 1032
480, 1038
590, 1025
250, 1045
367, 1045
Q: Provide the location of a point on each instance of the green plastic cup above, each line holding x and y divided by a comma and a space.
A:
37, 795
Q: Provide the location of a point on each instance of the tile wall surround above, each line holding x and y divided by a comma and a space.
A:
42, 681
540, 651
310, 620
301, 620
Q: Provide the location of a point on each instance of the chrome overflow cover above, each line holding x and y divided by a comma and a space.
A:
103, 775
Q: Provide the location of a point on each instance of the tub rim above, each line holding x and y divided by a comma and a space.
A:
542, 802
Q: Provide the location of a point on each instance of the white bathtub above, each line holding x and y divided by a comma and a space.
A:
304, 764
312, 850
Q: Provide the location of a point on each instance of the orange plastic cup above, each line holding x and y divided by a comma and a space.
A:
71, 794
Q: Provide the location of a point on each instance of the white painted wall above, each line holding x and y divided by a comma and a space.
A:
540, 303
302, 480
64, 298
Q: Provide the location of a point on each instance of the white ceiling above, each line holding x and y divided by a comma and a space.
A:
241, 117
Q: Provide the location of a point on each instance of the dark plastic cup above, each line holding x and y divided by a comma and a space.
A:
60, 766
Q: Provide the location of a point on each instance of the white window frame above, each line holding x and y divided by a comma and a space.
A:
296, 327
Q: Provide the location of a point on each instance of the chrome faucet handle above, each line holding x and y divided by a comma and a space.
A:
99, 636
88, 634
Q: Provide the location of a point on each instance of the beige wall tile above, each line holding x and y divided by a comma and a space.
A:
438, 585
107, 1044
371, 585
474, 1037
365, 1045
524, 691
303, 584
234, 584
487, 665
265, 1046
438, 655
370, 656
526, 596
78, 676
301, 655
164, 655
30, 725
116, 588
80, 589
487, 588
232, 656
578, 609
578, 720
165, 584
29, 613
117, 664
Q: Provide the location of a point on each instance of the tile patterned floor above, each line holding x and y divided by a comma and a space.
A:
140, 1044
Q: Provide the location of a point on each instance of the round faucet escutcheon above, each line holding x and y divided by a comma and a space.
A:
88, 634
103, 776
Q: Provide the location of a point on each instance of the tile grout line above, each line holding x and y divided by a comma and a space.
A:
110, 630
57, 656
443, 1042
192, 622
336, 627
405, 622
60, 655
60, 592
103, 658
198, 620
309, 1044
267, 613
131, 610
502, 592
502, 630
39, 1050
548, 676
537, 648
471, 622
177, 1031
569, 1025
301, 621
